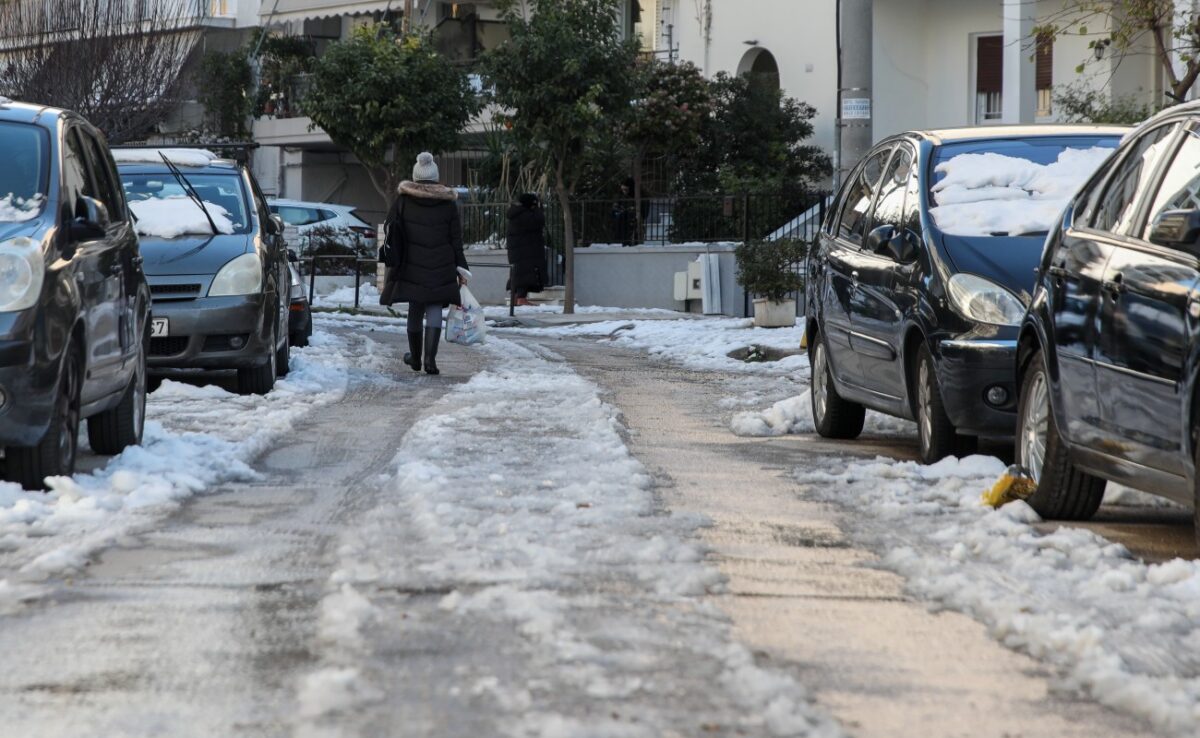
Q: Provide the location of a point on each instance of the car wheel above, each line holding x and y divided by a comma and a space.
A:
260, 379
283, 357
937, 434
55, 455
832, 416
112, 431
1063, 492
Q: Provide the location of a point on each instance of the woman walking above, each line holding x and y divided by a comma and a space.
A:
527, 247
423, 227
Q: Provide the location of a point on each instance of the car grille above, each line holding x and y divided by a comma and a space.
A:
169, 346
174, 291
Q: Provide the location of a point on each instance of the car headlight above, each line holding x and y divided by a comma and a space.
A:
241, 276
21, 274
984, 301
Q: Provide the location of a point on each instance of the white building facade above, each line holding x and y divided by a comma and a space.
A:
935, 63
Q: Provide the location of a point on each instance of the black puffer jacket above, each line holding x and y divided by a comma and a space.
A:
431, 248
527, 248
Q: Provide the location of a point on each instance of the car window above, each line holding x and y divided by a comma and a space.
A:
326, 214
75, 181
911, 217
24, 177
1180, 187
101, 171
294, 215
859, 195
889, 209
1115, 209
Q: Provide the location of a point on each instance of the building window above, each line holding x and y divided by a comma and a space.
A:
989, 78
1045, 75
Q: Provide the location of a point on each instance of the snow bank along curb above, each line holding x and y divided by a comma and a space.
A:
516, 496
196, 438
701, 345
794, 415
1120, 631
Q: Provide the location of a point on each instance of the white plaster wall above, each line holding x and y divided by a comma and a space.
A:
799, 33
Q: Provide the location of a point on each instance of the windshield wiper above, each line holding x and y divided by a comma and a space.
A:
1033, 233
191, 191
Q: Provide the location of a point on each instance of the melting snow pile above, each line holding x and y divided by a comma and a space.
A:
989, 193
794, 415
1121, 631
15, 209
196, 438
171, 217
179, 157
517, 505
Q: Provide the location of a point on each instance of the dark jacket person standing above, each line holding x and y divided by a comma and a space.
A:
424, 227
527, 247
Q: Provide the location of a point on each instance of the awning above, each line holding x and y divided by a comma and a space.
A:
279, 11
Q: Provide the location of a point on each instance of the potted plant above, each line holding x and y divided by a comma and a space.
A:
771, 272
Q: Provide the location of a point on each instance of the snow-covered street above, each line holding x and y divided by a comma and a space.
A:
606, 529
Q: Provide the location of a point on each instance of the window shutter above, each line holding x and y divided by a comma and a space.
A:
989, 64
1045, 63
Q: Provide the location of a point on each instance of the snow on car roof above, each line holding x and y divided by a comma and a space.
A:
179, 157
942, 135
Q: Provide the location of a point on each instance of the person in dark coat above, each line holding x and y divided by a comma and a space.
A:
527, 247
424, 227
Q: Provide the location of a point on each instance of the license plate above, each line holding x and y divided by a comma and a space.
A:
159, 327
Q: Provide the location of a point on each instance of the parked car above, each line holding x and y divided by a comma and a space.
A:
300, 322
1110, 348
922, 272
74, 306
312, 216
216, 264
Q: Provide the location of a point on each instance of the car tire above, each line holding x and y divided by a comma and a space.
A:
112, 431
55, 454
937, 435
259, 380
1063, 492
832, 416
283, 357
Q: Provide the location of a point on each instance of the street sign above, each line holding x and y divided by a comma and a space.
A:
856, 108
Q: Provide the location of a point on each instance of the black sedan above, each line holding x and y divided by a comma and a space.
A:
1110, 348
216, 263
922, 272
74, 306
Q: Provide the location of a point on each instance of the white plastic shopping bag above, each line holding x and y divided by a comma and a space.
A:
465, 325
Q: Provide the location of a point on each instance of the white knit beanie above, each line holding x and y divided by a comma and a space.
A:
425, 170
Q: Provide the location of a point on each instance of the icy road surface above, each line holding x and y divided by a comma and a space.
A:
559, 536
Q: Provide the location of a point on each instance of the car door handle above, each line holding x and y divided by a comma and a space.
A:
854, 277
1115, 286
1057, 272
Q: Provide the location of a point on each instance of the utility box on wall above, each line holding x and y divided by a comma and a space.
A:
688, 284
701, 281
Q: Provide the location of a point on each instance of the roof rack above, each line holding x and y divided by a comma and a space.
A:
238, 151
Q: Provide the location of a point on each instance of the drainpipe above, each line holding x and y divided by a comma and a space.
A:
855, 59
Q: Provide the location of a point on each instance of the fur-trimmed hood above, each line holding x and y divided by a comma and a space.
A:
429, 191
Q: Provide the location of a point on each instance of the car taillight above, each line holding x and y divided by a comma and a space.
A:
367, 233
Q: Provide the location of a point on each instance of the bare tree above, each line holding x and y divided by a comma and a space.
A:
117, 62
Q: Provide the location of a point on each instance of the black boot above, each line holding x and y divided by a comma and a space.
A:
413, 357
432, 336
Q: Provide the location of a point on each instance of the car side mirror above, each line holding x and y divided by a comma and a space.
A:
275, 225
292, 257
898, 245
878, 239
1177, 229
91, 220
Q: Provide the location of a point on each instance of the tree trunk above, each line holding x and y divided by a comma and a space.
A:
564, 202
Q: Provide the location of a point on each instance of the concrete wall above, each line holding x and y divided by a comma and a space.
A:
643, 277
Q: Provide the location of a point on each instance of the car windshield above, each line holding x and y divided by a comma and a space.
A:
23, 178
1011, 187
164, 210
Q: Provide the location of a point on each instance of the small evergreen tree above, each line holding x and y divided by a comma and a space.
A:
386, 98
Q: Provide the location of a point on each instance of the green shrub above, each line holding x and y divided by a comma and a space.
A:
771, 269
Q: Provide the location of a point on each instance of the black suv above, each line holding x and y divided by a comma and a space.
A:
922, 271
216, 262
1110, 348
74, 306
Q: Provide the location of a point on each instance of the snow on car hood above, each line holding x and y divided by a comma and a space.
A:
192, 254
987, 193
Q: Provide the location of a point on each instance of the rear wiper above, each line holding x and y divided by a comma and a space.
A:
191, 191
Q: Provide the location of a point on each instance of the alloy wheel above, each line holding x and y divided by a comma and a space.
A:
924, 405
820, 392
68, 414
1035, 427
